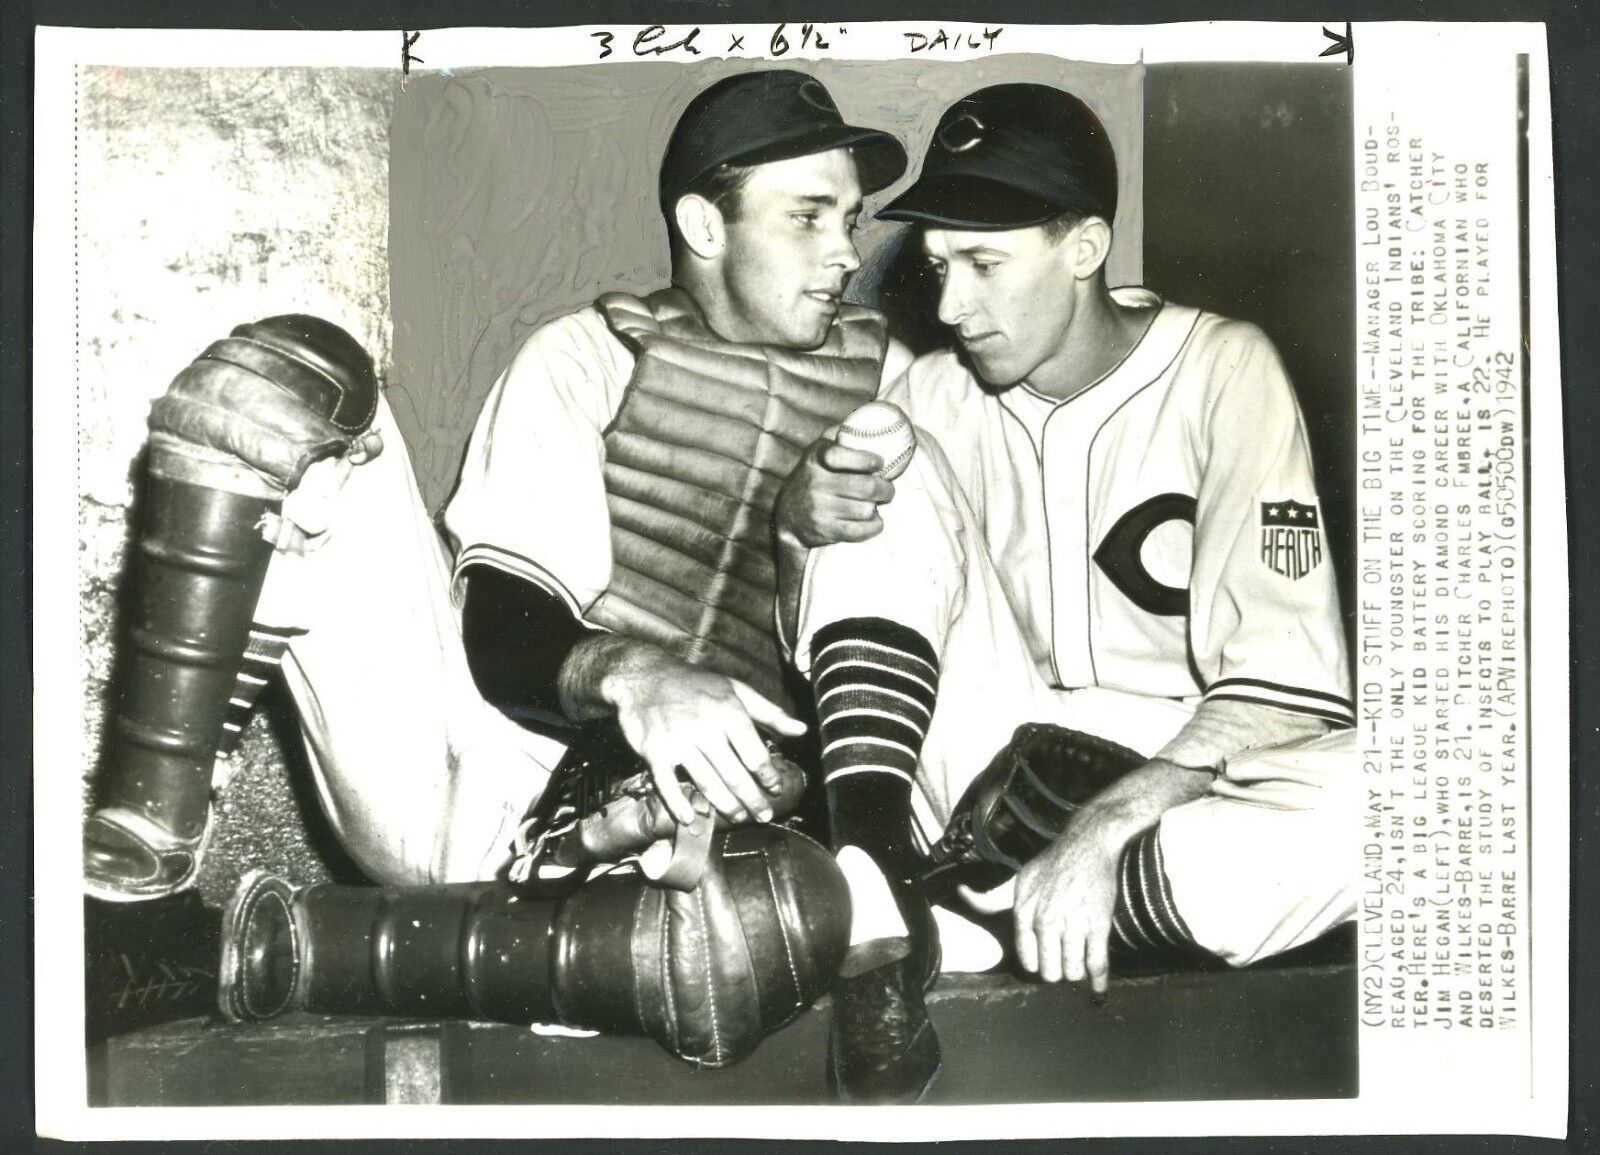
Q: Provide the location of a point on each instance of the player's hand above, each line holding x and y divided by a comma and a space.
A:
1065, 899
675, 714
832, 495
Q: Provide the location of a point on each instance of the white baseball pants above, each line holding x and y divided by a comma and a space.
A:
1265, 862
423, 781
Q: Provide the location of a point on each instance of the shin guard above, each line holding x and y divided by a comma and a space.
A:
234, 433
705, 973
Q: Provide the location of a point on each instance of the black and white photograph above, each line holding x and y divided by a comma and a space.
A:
859, 565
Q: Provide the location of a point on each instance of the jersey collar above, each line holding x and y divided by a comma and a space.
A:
1149, 357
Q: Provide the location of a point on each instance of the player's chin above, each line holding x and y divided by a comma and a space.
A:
994, 371
808, 327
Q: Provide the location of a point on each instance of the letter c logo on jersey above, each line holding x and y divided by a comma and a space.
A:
1291, 538
1158, 530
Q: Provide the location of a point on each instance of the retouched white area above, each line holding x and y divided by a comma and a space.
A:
965, 947
873, 913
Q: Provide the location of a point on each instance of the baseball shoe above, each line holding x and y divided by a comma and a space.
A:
882, 1048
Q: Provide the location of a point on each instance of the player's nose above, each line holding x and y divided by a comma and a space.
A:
954, 306
841, 252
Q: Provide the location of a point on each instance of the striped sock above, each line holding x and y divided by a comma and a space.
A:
1146, 919
875, 683
261, 658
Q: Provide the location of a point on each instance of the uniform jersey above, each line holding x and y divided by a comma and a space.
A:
1158, 532
531, 499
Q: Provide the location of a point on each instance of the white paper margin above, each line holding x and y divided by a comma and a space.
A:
1427, 1104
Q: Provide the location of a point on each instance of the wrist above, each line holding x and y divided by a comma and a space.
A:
1137, 802
601, 674
622, 671
1107, 826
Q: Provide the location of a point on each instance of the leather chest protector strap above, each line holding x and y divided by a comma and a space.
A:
705, 436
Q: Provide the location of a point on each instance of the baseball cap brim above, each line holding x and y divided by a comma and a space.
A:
880, 158
970, 202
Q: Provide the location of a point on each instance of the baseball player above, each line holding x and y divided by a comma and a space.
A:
612, 519
661, 429
614, 558
1109, 525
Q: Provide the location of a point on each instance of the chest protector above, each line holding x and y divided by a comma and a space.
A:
705, 436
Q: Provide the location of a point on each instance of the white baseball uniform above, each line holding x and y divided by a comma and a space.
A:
422, 780
1112, 563
425, 781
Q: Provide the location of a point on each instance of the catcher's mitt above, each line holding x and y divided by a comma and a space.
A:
602, 807
1020, 804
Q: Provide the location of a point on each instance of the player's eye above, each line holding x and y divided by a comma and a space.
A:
937, 268
806, 220
984, 268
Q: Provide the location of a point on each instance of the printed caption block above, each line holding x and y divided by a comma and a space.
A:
1442, 655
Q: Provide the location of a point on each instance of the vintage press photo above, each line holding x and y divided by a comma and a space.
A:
521, 691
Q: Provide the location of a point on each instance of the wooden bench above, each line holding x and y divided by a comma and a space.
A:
1270, 1032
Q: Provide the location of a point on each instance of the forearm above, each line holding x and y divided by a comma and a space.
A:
599, 668
517, 635
1136, 802
1223, 728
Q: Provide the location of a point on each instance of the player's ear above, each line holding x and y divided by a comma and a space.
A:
1087, 246
700, 224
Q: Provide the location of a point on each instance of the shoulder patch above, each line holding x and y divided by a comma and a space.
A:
1291, 538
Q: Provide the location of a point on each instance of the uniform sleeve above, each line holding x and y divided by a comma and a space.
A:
1265, 626
531, 498
896, 360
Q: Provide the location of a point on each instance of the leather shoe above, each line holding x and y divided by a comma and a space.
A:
882, 1048
129, 858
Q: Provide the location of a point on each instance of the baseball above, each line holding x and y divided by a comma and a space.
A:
884, 429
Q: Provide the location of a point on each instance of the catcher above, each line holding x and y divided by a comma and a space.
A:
637, 587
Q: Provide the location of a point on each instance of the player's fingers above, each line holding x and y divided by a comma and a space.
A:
710, 780
752, 751
866, 488
1096, 959
854, 530
664, 772
1049, 935
848, 459
729, 763
1072, 953
764, 712
1027, 947
847, 509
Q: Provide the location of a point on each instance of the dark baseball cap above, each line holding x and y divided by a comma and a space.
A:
760, 117
1011, 156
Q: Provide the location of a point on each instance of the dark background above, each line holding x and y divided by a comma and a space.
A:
1574, 47
1249, 211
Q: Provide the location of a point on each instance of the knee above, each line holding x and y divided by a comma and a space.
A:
1251, 882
